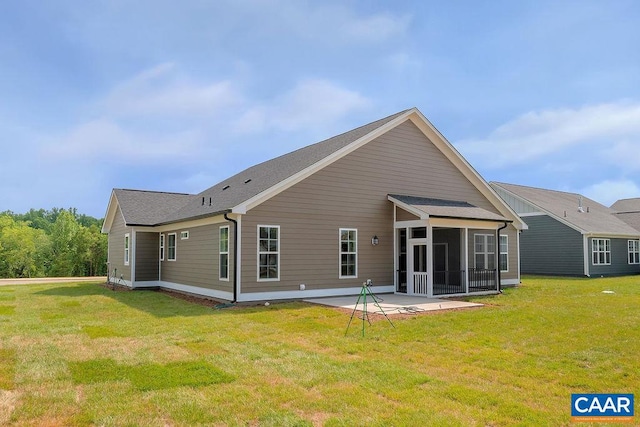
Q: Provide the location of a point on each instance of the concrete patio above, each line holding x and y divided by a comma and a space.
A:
393, 303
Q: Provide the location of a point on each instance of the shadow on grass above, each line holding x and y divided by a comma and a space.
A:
161, 304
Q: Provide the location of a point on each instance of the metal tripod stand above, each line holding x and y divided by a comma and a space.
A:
365, 292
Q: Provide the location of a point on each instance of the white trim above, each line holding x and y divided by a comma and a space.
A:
238, 262
340, 253
587, 255
518, 256
175, 246
410, 224
314, 293
133, 255
510, 282
468, 223
271, 279
220, 253
218, 219
213, 293
533, 214
127, 249
184, 235
606, 242
636, 243
506, 236
161, 248
485, 251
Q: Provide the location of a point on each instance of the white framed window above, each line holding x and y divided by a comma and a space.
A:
224, 253
268, 253
634, 251
171, 247
504, 253
348, 253
127, 244
601, 251
485, 251
161, 247
184, 235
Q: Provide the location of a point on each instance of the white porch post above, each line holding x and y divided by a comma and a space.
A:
410, 287
429, 260
465, 257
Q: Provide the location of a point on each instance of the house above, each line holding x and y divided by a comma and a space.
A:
628, 210
391, 201
570, 234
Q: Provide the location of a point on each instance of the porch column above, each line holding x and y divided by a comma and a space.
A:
429, 260
465, 258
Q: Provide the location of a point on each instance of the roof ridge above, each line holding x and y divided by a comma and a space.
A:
542, 189
153, 191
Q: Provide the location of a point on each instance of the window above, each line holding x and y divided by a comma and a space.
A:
171, 247
162, 247
184, 235
224, 253
348, 253
485, 251
126, 249
634, 251
268, 252
601, 251
504, 253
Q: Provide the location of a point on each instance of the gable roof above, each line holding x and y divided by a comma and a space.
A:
564, 207
249, 188
140, 207
627, 205
439, 208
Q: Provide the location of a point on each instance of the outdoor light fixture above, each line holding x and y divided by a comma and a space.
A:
375, 240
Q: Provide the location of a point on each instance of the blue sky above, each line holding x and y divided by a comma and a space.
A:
176, 96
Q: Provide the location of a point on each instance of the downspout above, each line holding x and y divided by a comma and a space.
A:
498, 252
235, 257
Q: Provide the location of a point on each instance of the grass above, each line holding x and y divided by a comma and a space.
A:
80, 354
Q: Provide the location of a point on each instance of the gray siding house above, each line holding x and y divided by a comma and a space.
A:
391, 201
570, 234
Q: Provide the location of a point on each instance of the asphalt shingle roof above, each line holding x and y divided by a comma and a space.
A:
595, 218
154, 208
448, 208
627, 205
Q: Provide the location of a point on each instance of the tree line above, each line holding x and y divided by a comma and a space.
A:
51, 243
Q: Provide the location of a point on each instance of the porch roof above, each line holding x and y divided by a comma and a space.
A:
439, 208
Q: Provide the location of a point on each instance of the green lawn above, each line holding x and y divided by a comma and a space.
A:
81, 354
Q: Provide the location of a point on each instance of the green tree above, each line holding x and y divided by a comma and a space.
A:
21, 249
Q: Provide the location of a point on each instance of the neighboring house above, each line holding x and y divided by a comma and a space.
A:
570, 234
628, 210
391, 201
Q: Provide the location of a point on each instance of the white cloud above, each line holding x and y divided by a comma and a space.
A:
377, 27
311, 103
609, 191
537, 134
105, 139
162, 91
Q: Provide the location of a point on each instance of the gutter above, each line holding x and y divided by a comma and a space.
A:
235, 256
498, 252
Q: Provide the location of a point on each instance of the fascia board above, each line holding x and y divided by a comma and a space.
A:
310, 170
465, 168
110, 214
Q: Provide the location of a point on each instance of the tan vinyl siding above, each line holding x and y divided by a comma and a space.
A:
197, 258
351, 193
147, 255
116, 248
402, 215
